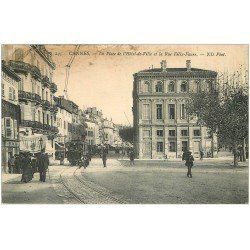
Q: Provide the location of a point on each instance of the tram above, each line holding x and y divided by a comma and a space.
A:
76, 151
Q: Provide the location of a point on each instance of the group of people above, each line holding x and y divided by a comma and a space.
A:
27, 164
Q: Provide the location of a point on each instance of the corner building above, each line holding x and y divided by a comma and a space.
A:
34, 66
161, 122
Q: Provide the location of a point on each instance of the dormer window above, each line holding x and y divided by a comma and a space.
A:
159, 87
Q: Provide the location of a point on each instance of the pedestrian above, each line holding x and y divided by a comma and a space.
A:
132, 157
43, 164
184, 155
33, 165
11, 164
26, 167
189, 163
104, 158
61, 159
16, 164
201, 155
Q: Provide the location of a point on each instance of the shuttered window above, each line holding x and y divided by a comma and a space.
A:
8, 127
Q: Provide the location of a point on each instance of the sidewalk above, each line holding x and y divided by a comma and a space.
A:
8, 177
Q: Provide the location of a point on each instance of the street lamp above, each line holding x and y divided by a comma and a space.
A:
41, 143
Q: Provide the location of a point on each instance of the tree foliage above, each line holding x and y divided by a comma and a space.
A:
225, 114
126, 133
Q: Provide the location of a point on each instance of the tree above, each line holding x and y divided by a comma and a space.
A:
224, 113
126, 133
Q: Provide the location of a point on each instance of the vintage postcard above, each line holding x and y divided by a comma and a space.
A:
124, 124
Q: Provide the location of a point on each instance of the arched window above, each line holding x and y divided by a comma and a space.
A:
171, 87
159, 87
198, 86
146, 87
184, 87
209, 85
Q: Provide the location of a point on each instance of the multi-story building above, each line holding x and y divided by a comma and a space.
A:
162, 125
96, 116
90, 134
34, 66
70, 120
10, 114
108, 132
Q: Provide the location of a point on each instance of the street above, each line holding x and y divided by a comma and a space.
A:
214, 181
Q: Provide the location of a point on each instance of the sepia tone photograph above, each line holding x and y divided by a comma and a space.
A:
124, 124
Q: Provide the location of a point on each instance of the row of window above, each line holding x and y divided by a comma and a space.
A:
41, 117
172, 87
171, 146
36, 89
45, 94
159, 111
171, 132
8, 79
12, 93
9, 128
61, 124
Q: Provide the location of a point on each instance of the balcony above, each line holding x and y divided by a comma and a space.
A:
22, 67
53, 87
35, 72
53, 108
45, 81
19, 66
46, 127
28, 96
31, 124
45, 104
54, 130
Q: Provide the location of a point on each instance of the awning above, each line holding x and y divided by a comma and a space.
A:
32, 143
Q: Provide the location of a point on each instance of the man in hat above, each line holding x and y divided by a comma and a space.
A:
132, 157
43, 164
104, 157
189, 163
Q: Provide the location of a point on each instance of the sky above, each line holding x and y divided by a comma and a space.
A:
102, 75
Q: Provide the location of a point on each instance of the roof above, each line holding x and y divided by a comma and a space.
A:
178, 72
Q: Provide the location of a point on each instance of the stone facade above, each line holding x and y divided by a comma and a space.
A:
10, 115
162, 125
34, 66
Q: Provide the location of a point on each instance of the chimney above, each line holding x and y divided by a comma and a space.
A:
188, 65
164, 65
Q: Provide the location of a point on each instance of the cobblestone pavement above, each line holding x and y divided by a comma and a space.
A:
215, 181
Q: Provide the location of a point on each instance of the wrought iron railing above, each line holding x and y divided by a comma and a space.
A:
45, 81
19, 66
32, 124
53, 87
53, 108
24, 95
45, 104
